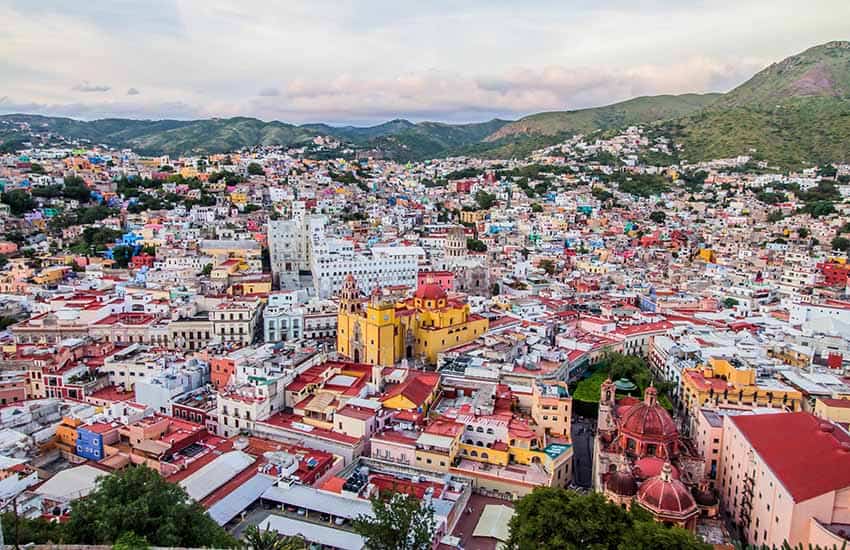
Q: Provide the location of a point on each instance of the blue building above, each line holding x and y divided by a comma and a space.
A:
89, 444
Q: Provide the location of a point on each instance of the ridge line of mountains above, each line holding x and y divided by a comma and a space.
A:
793, 113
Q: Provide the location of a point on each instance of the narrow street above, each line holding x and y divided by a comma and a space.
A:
583, 451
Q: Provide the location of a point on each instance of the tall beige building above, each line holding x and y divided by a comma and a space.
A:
786, 477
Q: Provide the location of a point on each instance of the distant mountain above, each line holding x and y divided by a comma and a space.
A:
433, 139
361, 134
399, 139
404, 140
172, 136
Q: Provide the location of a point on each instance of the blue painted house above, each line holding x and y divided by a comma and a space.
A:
89, 443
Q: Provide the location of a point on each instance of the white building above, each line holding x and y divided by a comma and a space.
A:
289, 244
334, 259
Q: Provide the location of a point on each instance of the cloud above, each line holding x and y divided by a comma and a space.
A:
153, 110
85, 86
447, 96
133, 91
369, 61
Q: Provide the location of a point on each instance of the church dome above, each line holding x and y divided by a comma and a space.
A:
666, 497
651, 466
430, 291
621, 483
648, 419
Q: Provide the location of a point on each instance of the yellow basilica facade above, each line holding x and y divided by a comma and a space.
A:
380, 331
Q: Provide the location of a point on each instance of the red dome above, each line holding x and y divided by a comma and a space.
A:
651, 466
645, 420
667, 497
430, 291
621, 483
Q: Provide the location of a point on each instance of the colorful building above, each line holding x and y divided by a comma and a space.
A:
786, 478
731, 384
378, 331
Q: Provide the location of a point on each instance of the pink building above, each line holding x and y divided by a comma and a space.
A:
394, 446
444, 279
786, 477
708, 437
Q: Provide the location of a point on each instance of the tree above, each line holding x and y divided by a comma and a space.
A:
828, 171
557, 518
207, 270
730, 302
475, 245
658, 216
400, 522
775, 216
130, 541
627, 366
19, 201
548, 266
139, 501
266, 539
36, 168
19, 530
75, 188
255, 169
485, 200
819, 209
649, 535
535, 207
122, 255
802, 232
840, 243
3, 261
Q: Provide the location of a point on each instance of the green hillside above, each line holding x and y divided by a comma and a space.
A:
433, 139
822, 71
798, 132
220, 135
361, 134
399, 139
640, 110
793, 113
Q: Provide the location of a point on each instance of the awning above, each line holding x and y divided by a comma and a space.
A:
328, 536
233, 504
494, 522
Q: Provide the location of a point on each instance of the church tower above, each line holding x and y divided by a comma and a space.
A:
455, 243
607, 406
349, 296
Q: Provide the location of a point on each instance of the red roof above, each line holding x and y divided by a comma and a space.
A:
430, 291
360, 413
648, 419
416, 388
665, 495
809, 456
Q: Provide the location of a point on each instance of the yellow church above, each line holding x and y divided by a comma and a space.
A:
379, 331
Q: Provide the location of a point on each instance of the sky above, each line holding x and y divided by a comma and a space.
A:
367, 61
